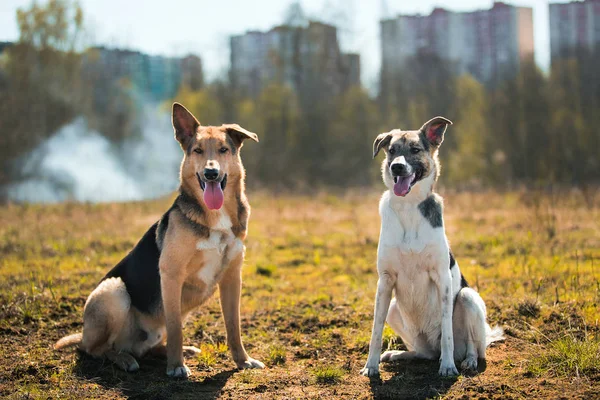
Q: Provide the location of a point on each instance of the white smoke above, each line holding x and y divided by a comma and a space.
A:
79, 164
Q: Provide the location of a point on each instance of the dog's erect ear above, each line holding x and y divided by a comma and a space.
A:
184, 123
239, 134
381, 140
434, 130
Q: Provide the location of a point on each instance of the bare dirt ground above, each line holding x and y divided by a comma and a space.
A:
307, 301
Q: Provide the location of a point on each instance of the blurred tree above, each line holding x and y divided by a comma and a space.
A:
294, 15
533, 129
354, 127
584, 84
112, 105
416, 91
572, 159
192, 74
42, 70
278, 115
518, 107
466, 162
204, 104
503, 123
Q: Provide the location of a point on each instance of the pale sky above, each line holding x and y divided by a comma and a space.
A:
203, 27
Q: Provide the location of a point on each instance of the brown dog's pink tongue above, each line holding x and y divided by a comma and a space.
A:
213, 195
402, 186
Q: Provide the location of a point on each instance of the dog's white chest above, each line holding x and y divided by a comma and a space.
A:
411, 249
218, 250
215, 244
220, 235
407, 231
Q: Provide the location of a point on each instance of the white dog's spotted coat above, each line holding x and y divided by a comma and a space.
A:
432, 312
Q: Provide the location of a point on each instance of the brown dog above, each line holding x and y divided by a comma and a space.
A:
176, 266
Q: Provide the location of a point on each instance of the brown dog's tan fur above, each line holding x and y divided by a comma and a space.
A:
199, 248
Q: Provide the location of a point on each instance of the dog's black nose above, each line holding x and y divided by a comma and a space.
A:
211, 174
399, 169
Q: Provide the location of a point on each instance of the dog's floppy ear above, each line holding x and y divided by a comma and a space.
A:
381, 140
239, 134
184, 123
434, 130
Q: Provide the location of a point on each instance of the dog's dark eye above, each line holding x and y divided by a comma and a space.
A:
392, 150
415, 150
198, 150
223, 150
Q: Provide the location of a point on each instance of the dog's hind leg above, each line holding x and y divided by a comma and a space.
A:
395, 355
123, 360
160, 351
105, 317
395, 321
469, 328
416, 346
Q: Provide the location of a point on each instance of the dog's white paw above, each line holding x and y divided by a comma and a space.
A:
448, 369
133, 366
469, 363
250, 363
370, 371
126, 362
390, 355
180, 371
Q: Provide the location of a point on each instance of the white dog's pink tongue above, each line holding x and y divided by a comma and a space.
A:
213, 195
402, 186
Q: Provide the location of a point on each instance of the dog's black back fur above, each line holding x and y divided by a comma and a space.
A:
139, 272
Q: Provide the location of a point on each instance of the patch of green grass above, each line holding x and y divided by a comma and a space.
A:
390, 340
276, 355
206, 360
209, 353
529, 308
247, 376
567, 356
328, 374
297, 338
361, 342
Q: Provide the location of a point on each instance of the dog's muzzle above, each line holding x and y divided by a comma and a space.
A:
404, 176
202, 182
213, 189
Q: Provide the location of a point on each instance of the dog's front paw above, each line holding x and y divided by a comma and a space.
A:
448, 369
179, 371
250, 363
370, 371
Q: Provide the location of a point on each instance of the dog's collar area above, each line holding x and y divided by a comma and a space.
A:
203, 184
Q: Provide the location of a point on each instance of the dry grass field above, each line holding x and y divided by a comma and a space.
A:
309, 284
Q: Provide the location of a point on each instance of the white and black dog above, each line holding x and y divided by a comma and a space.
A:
434, 311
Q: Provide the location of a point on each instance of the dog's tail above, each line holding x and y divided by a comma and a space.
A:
495, 334
70, 340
